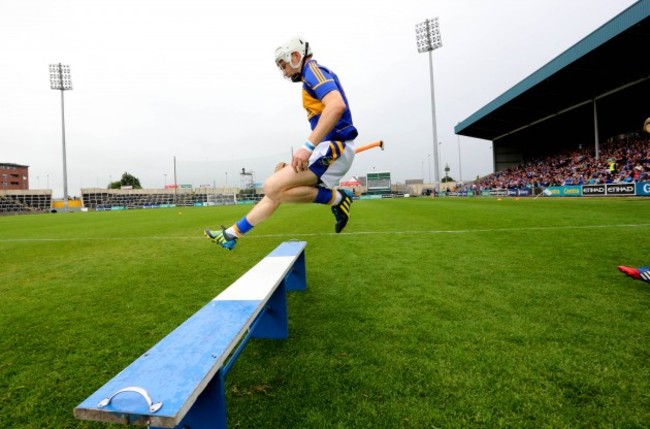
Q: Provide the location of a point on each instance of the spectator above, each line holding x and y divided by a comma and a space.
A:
620, 161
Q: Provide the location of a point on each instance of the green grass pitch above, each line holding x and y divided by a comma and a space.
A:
424, 313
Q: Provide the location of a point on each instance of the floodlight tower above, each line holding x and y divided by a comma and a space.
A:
60, 79
428, 39
247, 179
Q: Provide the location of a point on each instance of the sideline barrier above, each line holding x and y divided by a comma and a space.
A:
179, 382
643, 189
565, 191
602, 190
640, 189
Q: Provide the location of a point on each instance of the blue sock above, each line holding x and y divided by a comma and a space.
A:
243, 226
324, 196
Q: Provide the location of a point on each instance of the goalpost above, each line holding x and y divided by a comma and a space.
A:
225, 181
225, 173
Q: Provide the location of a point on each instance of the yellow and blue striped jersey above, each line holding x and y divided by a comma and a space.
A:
318, 81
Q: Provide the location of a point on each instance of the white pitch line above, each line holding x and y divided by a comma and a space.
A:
460, 231
316, 234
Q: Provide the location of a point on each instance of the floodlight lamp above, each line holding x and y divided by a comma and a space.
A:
428, 35
60, 77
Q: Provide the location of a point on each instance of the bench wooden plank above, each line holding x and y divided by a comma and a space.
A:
177, 369
289, 248
257, 283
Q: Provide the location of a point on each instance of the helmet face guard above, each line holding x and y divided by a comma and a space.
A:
297, 77
285, 54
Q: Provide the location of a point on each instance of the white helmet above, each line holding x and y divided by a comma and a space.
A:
295, 44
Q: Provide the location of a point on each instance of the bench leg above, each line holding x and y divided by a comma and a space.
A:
273, 321
209, 410
296, 279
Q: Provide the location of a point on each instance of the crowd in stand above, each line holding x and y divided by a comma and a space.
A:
620, 161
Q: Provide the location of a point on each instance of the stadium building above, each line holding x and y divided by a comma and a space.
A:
596, 89
14, 176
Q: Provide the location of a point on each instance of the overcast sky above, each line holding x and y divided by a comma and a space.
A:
196, 79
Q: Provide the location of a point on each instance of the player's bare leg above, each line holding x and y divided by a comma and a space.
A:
284, 186
287, 186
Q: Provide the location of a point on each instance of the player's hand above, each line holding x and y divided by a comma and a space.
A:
300, 161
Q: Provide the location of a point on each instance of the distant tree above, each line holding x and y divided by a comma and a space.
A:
447, 179
126, 180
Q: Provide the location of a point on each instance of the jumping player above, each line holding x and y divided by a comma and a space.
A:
324, 158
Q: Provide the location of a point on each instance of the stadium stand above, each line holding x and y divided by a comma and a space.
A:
121, 199
25, 201
589, 92
624, 160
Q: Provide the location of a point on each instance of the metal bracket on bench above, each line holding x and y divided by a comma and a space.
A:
153, 406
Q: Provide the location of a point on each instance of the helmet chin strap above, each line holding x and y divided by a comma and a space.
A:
297, 77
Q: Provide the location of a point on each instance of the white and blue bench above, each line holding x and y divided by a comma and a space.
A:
179, 382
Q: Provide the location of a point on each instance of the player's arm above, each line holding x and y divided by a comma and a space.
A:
332, 112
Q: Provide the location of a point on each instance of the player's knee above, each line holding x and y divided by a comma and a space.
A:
272, 189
